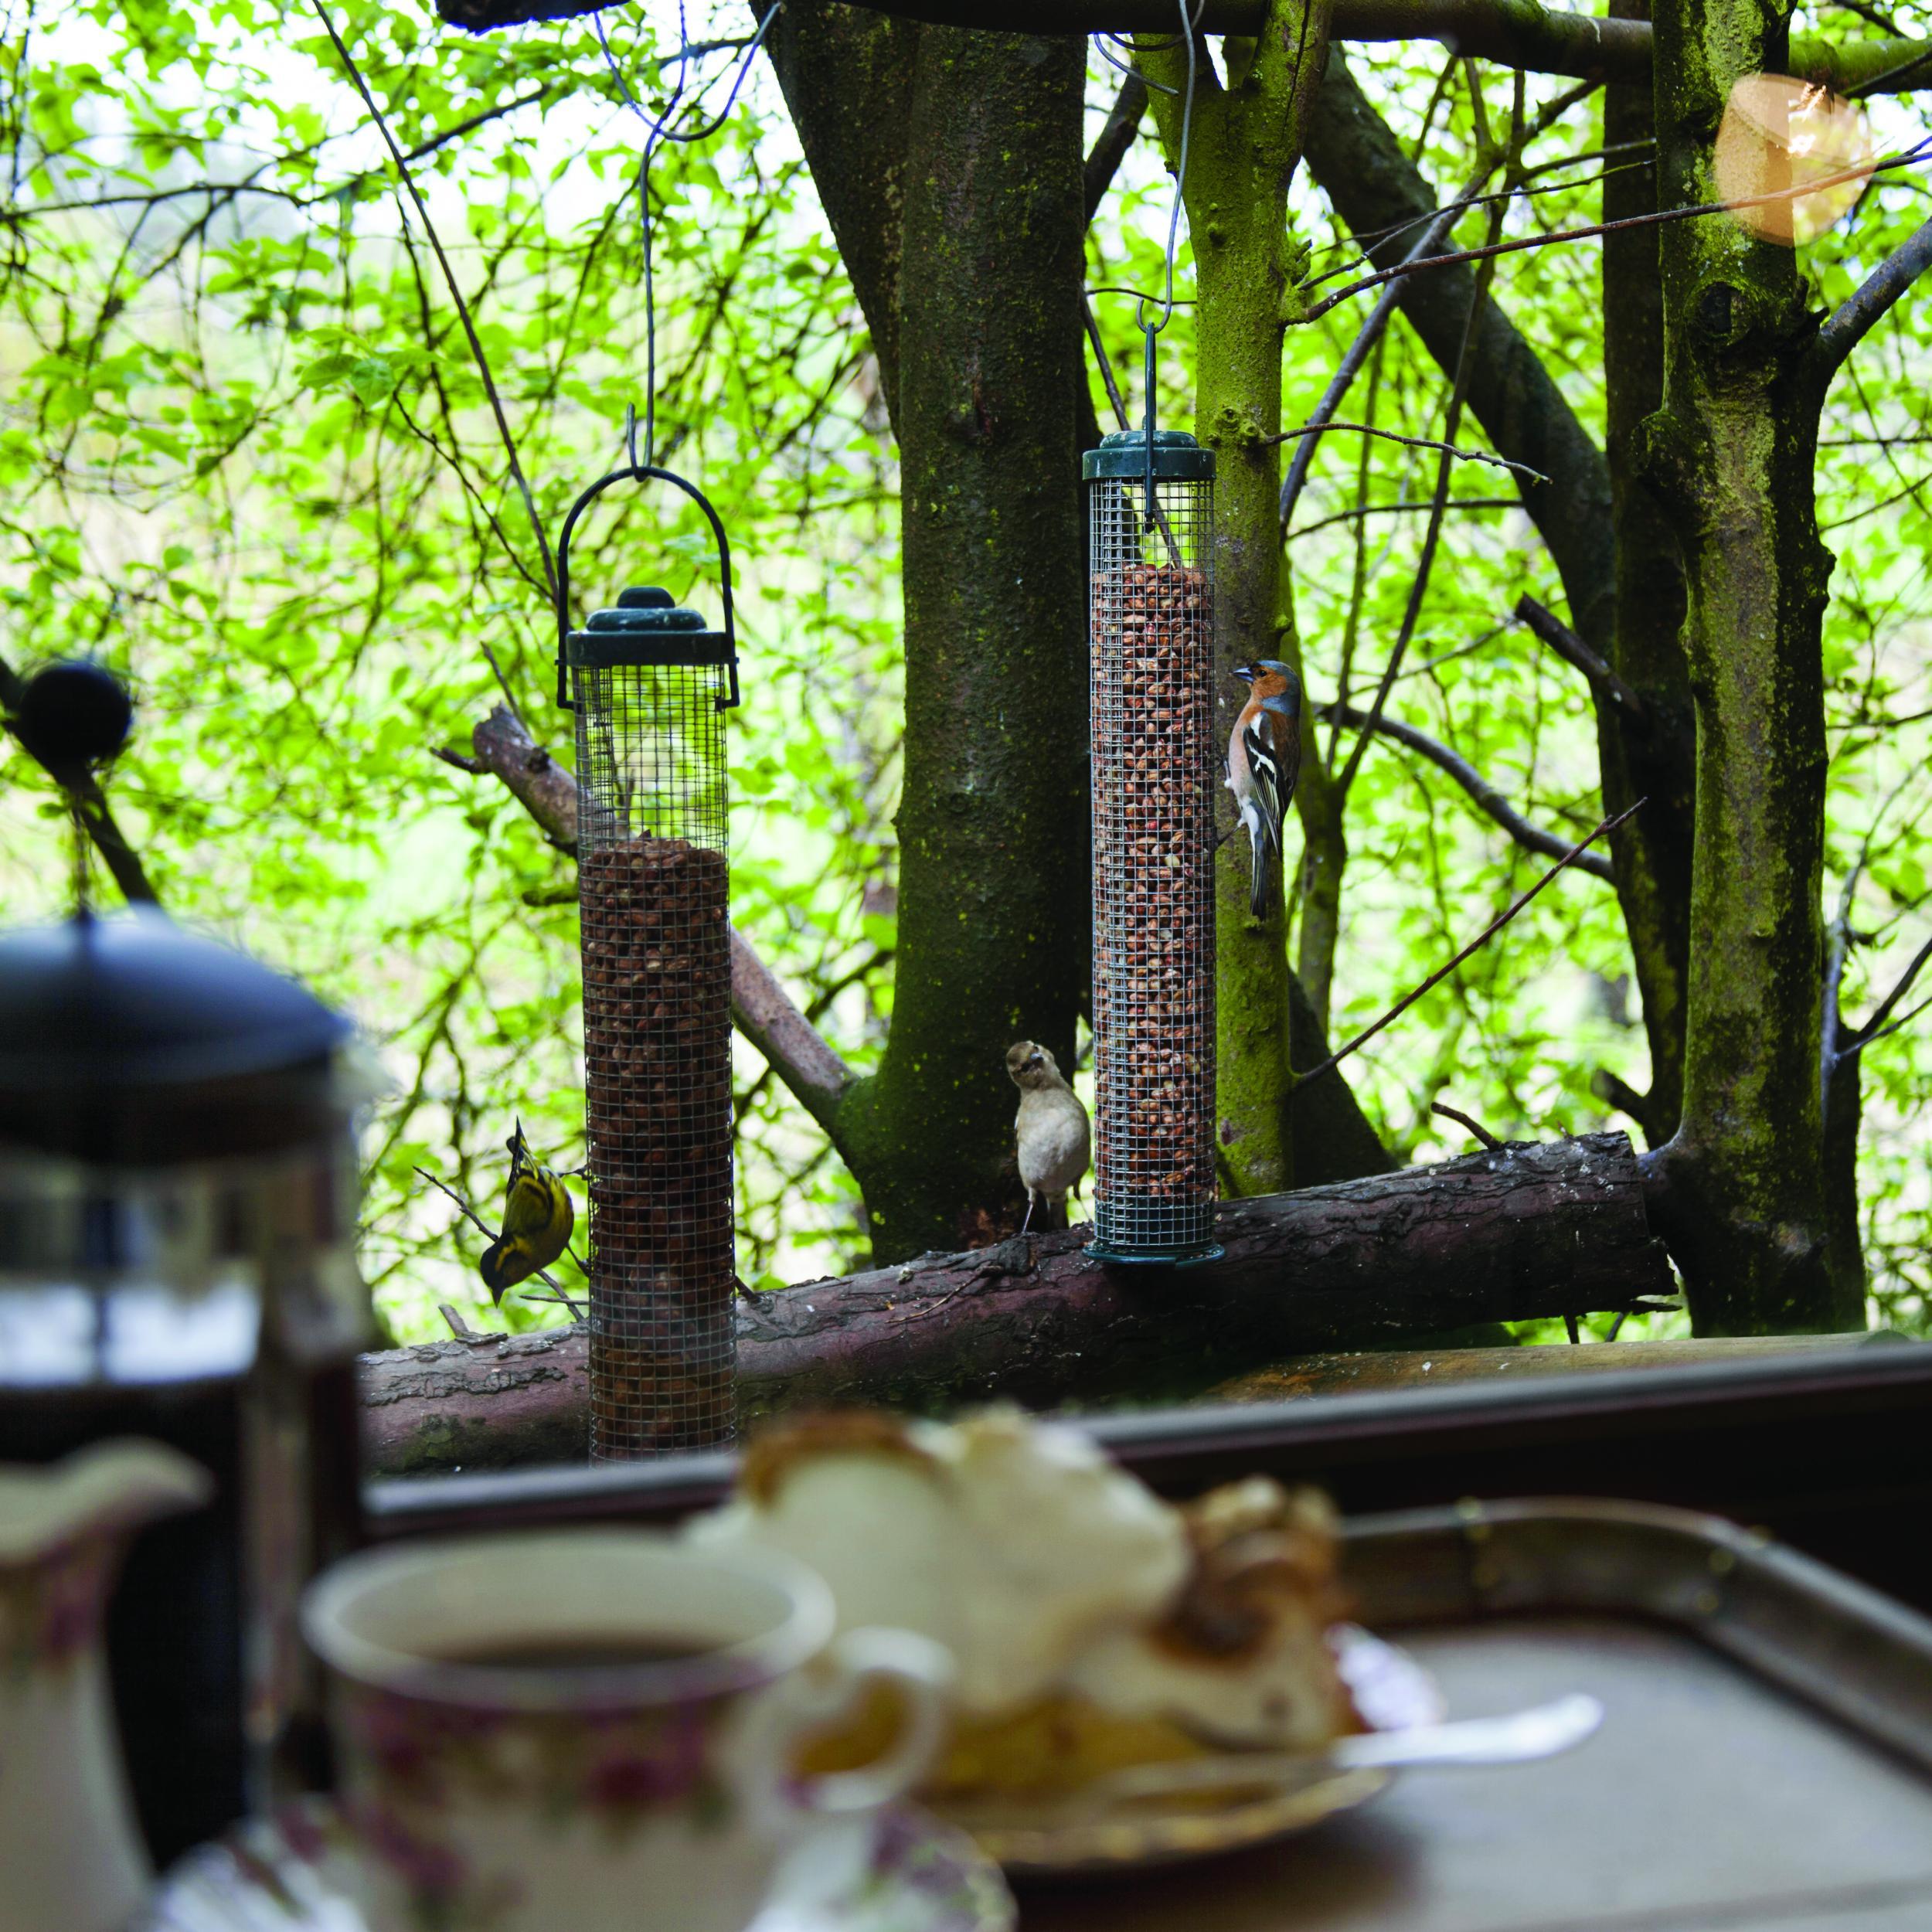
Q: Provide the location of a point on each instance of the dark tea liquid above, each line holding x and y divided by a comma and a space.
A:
594, 1652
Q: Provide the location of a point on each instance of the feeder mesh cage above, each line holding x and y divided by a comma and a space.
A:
1151, 611
653, 885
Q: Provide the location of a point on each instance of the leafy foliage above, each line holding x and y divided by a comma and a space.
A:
249, 459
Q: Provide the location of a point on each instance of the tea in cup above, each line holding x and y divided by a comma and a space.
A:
594, 1728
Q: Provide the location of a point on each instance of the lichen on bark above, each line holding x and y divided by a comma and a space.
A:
951, 164
1245, 139
1732, 452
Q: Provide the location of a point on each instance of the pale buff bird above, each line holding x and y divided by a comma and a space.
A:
1051, 1128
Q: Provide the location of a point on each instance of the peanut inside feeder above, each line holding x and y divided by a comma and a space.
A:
651, 683
1150, 605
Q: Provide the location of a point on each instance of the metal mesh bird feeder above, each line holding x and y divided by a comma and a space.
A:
1150, 496
650, 683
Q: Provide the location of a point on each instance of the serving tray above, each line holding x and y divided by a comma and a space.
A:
1765, 1761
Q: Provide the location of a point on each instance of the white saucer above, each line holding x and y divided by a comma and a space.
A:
903, 1873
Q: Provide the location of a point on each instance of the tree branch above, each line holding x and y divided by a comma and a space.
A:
1487, 797
1322, 416
87, 802
1322, 426
1375, 188
1866, 306
1496, 926
1520, 1231
1115, 138
545, 789
1512, 33
1103, 163
1559, 237
761, 1009
1869, 1031
455, 288
1547, 625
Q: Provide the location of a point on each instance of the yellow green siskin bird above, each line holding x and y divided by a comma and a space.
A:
538, 1216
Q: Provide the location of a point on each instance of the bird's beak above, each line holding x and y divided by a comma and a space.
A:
1245, 672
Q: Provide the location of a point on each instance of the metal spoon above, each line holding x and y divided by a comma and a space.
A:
1518, 1739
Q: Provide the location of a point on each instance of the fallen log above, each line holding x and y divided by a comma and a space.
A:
1528, 1230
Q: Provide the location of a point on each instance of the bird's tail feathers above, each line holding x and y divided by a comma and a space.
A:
1264, 850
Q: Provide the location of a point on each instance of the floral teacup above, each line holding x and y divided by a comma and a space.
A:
593, 1728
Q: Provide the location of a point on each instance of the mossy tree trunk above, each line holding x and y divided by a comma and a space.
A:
1732, 454
1651, 756
950, 163
1245, 141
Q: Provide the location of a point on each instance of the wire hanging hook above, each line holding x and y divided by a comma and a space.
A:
659, 130
1148, 328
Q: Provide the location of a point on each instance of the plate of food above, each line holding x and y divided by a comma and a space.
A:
1139, 1682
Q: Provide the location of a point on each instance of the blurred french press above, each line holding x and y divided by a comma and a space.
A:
177, 1212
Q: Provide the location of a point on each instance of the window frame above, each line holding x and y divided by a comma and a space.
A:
1830, 1452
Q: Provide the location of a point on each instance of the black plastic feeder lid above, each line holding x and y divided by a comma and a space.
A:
1177, 458
646, 628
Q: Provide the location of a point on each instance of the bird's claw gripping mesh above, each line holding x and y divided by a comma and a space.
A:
1151, 615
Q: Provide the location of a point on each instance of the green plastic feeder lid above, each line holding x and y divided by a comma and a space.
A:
646, 628
1177, 458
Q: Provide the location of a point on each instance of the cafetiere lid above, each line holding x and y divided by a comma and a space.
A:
132, 1039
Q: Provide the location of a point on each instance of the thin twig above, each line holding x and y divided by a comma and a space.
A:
1869, 1031
1867, 1039
1651, 219
1362, 510
1322, 416
1482, 938
1414, 443
1546, 625
1485, 795
1463, 1119
1113, 395
478, 1221
560, 1300
1438, 223
1432, 534
458, 1327
456, 293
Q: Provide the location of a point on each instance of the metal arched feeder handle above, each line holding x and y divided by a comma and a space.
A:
639, 473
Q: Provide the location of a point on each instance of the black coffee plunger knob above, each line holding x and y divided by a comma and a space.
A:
74, 713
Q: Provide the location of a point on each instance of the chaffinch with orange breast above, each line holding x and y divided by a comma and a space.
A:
1263, 760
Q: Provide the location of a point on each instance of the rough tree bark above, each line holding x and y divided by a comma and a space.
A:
1652, 755
1527, 1231
1732, 453
1245, 141
989, 365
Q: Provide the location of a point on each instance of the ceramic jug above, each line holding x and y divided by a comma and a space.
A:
73, 1859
